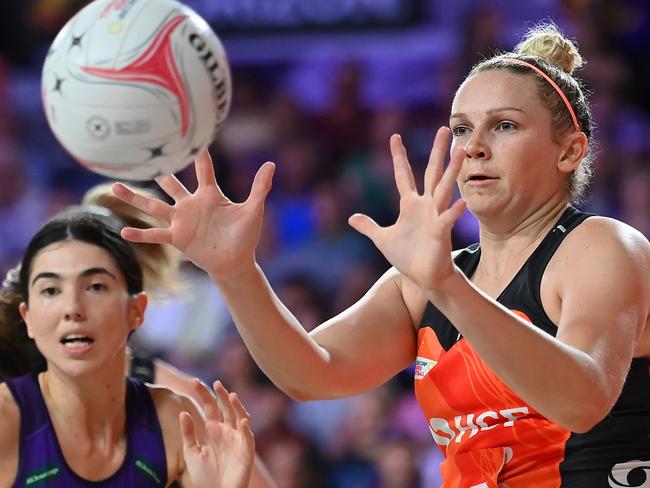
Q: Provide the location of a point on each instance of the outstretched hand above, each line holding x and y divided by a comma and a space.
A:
419, 243
224, 458
213, 232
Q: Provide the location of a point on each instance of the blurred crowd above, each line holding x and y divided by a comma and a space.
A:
333, 160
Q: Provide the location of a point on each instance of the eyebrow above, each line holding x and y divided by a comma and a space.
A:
84, 274
460, 115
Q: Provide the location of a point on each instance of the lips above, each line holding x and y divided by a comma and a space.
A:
479, 177
76, 340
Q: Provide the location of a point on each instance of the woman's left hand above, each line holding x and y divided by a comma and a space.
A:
224, 457
419, 243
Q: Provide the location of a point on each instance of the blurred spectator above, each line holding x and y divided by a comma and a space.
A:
397, 465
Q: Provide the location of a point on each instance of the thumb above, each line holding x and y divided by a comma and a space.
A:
452, 214
364, 225
188, 435
262, 183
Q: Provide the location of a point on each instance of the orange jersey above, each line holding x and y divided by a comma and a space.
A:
489, 436
487, 433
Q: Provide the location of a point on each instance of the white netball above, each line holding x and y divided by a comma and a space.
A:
136, 88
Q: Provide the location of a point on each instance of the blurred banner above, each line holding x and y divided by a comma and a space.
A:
254, 16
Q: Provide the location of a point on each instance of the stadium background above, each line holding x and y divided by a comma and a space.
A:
318, 87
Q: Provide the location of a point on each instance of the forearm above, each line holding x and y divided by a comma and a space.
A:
274, 337
562, 382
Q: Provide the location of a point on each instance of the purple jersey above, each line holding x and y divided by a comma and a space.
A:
41, 463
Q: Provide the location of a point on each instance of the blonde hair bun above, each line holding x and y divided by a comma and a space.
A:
547, 42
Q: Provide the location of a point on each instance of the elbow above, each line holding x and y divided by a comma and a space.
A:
586, 405
585, 415
297, 395
582, 425
312, 392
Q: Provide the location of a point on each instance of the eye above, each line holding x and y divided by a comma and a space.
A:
506, 126
98, 287
49, 291
460, 131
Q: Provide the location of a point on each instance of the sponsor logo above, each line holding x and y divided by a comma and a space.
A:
631, 474
423, 366
148, 470
445, 433
39, 476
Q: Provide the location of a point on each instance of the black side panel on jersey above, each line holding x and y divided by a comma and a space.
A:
617, 449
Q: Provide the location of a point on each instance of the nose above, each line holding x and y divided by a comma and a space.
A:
74, 310
477, 146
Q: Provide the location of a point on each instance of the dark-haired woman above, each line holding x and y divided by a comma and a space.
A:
81, 423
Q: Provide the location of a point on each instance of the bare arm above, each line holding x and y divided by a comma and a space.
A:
575, 378
220, 236
330, 361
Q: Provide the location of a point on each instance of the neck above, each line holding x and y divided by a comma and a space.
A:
505, 244
91, 407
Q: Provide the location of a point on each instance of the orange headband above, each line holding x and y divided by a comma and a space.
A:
552, 83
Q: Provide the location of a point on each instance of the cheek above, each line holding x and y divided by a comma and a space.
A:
455, 142
39, 324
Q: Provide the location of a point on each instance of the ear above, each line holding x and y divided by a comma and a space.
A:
574, 148
24, 313
136, 310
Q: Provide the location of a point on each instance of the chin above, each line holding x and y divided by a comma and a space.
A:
482, 205
77, 370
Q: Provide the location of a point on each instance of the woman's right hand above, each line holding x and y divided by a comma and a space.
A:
213, 232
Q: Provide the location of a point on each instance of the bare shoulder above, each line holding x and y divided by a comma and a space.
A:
169, 404
607, 238
599, 225
622, 254
602, 261
9, 436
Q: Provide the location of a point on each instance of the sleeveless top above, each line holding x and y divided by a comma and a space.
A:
41, 463
490, 437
